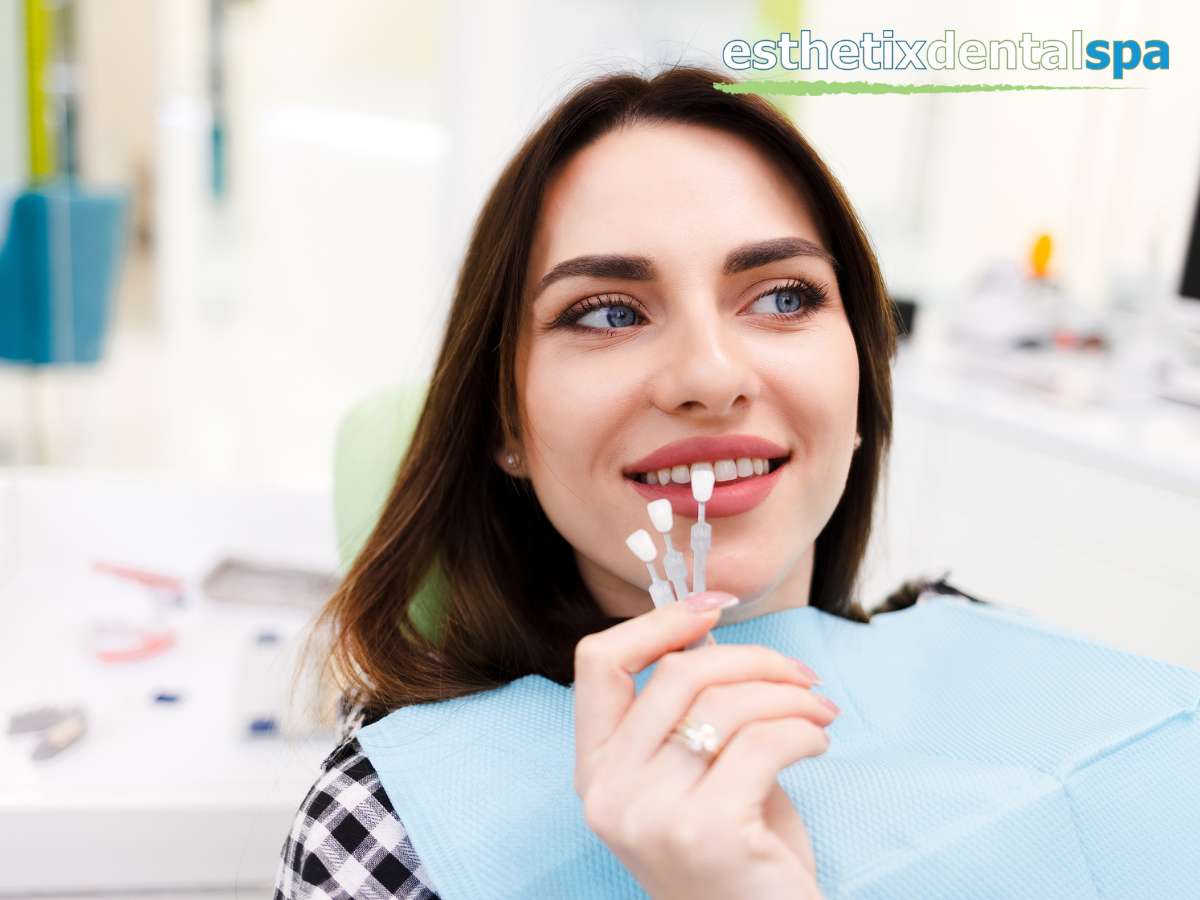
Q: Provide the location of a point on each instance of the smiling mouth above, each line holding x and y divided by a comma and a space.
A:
726, 471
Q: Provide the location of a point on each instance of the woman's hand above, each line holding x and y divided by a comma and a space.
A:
686, 827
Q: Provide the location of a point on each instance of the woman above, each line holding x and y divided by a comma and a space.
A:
659, 262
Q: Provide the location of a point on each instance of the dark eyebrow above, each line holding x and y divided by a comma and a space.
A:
639, 268
751, 256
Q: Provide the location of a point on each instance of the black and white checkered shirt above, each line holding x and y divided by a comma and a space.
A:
346, 840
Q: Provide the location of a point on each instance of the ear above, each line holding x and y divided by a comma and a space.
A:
510, 460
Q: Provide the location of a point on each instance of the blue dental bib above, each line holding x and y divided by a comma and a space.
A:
979, 753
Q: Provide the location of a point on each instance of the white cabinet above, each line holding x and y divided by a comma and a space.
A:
1087, 520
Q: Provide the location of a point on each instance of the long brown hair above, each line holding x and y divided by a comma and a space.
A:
513, 599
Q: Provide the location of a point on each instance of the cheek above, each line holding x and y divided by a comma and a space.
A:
818, 384
575, 403
576, 409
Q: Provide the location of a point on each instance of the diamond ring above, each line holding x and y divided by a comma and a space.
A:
699, 737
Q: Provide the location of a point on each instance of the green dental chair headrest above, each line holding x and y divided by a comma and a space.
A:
371, 440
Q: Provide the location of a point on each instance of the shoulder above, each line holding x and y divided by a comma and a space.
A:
346, 839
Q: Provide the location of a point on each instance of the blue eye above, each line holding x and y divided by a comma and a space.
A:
791, 301
616, 315
603, 314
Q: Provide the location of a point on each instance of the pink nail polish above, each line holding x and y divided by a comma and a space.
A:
710, 600
827, 702
816, 679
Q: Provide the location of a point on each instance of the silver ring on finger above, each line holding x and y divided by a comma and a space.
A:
700, 738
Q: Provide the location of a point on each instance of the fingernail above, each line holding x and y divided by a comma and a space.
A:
710, 600
827, 702
816, 679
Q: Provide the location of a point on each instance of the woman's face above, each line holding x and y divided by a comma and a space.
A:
678, 288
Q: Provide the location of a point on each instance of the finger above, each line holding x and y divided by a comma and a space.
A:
678, 681
746, 770
606, 661
728, 708
785, 821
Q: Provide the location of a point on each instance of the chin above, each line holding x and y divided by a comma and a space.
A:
748, 590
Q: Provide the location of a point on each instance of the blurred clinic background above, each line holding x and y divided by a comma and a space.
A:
226, 224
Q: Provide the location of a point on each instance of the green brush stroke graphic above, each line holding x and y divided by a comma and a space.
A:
812, 88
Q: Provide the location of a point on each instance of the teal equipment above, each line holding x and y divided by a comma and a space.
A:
58, 267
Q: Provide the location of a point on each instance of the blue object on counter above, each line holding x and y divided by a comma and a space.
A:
265, 725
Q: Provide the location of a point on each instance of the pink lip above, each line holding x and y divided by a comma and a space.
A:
706, 449
730, 498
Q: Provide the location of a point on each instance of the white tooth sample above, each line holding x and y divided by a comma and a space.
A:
642, 545
702, 486
664, 476
681, 474
701, 467
760, 466
660, 514
725, 470
745, 468
651, 477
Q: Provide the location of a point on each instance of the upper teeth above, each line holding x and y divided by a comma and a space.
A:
722, 469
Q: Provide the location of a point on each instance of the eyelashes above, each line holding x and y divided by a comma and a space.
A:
805, 297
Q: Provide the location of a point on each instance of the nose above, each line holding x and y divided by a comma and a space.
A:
705, 368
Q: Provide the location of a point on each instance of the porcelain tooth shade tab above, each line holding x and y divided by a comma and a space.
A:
660, 514
702, 485
642, 545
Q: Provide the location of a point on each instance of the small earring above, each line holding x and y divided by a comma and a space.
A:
857, 441
511, 459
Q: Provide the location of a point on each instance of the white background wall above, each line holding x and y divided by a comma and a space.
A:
948, 182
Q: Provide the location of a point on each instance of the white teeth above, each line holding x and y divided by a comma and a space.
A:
725, 470
722, 469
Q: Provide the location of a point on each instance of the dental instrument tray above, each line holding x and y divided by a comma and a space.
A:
245, 581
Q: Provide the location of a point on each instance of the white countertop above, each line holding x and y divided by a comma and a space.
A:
153, 796
1056, 402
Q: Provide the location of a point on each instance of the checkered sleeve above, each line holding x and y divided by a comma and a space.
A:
347, 841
